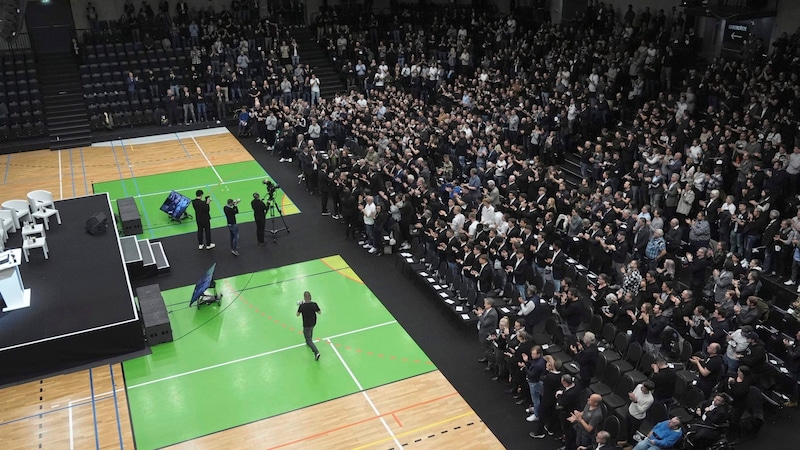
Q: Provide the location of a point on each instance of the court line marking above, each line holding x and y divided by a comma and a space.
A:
406, 433
72, 173
247, 358
94, 411
83, 167
60, 177
136, 186
80, 402
206, 157
359, 422
366, 396
182, 146
119, 171
166, 137
8, 165
116, 405
197, 187
72, 403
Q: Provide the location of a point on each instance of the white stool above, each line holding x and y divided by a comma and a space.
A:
45, 214
28, 244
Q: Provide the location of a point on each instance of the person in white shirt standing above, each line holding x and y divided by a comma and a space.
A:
368, 210
641, 400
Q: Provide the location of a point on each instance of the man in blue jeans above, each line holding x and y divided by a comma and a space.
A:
231, 209
534, 372
664, 435
309, 310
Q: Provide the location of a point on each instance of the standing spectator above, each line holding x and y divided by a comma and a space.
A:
534, 366
202, 215
187, 100
586, 422
132, 85
487, 325
231, 209
641, 399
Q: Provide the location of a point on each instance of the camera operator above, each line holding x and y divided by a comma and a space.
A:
231, 209
260, 216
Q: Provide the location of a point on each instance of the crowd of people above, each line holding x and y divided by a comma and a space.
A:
687, 168
452, 132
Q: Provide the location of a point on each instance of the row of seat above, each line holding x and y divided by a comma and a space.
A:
23, 130
102, 51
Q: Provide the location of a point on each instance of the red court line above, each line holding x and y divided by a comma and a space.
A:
359, 422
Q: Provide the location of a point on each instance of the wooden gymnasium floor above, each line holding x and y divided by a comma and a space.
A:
89, 408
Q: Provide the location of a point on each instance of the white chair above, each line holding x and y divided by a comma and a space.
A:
20, 208
39, 199
7, 223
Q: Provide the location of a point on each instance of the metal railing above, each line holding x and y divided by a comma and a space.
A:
21, 42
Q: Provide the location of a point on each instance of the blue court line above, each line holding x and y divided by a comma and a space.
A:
136, 185
94, 411
54, 410
116, 405
183, 146
8, 164
83, 165
119, 170
72, 173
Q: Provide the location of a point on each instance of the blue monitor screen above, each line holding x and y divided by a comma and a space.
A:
175, 205
203, 284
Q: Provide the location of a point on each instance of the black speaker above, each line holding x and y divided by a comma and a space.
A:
97, 224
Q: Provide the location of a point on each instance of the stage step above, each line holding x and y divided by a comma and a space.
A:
162, 263
143, 259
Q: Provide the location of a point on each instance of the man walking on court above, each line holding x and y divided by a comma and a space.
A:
309, 310
202, 215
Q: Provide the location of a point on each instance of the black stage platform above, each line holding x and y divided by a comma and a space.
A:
82, 307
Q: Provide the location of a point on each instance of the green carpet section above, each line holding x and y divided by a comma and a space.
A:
247, 357
239, 180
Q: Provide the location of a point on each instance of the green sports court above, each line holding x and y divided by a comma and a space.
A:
235, 180
247, 357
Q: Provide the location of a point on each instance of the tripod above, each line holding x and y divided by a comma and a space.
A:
272, 211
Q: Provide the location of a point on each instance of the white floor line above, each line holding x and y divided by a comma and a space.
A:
247, 358
366, 396
69, 413
60, 178
206, 157
192, 188
166, 137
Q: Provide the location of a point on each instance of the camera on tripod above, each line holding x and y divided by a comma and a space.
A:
271, 189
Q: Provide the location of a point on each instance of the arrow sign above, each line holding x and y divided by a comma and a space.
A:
737, 36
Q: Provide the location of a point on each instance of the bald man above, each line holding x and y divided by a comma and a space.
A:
585, 423
710, 368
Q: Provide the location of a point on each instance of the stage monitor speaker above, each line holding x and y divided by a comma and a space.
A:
97, 224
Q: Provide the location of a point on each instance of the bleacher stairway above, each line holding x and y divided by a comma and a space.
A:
312, 54
65, 109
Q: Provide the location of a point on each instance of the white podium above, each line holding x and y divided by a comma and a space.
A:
14, 292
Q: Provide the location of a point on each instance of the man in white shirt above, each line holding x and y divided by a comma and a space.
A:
641, 400
368, 210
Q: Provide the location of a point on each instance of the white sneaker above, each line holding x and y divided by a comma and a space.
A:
289, 160
366, 246
798, 289
532, 418
201, 246
210, 246
372, 250
405, 246
282, 160
392, 241
788, 282
258, 140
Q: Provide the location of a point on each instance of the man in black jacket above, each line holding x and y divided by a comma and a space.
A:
697, 269
260, 216
655, 326
587, 353
349, 213
202, 215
